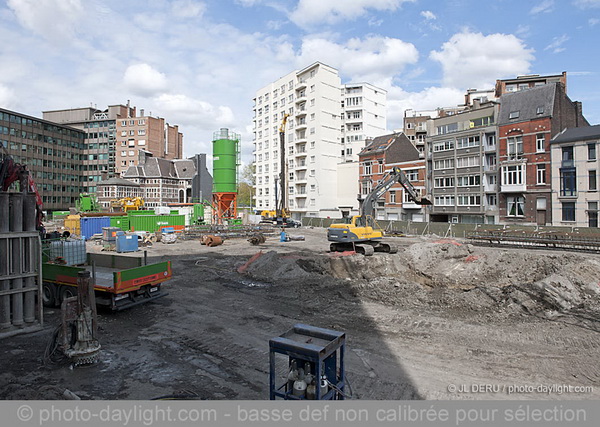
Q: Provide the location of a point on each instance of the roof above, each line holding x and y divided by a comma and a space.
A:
379, 144
156, 167
118, 181
584, 133
403, 151
527, 102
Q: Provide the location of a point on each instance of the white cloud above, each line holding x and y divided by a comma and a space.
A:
188, 8
55, 20
179, 108
584, 4
248, 3
372, 57
593, 22
7, 97
143, 80
546, 6
309, 13
557, 44
474, 60
428, 15
428, 99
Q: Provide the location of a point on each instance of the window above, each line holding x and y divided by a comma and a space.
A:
443, 201
513, 115
483, 121
443, 182
472, 141
515, 147
367, 167
591, 151
593, 214
540, 143
513, 175
568, 183
469, 200
444, 129
443, 146
592, 180
412, 175
392, 197
443, 164
141, 132
568, 211
515, 206
541, 174
465, 162
539, 110
491, 199
468, 180
567, 157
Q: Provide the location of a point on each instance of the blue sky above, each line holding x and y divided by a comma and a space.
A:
198, 63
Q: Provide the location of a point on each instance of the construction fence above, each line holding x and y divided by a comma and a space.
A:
444, 229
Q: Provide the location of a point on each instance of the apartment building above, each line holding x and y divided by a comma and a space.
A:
379, 156
527, 82
462, 172
528, 120
327, 124
145, 133
114, 136
99, 128
575, 165
53, 154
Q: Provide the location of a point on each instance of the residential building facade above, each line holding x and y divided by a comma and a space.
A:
462, 173
115, 135
326, 125
53, 153
528, 120
378, 157
99, 127
575, 165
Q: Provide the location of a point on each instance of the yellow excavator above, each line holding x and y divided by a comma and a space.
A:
363, 234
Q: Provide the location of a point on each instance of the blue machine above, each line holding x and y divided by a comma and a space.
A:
126, 243
322, 350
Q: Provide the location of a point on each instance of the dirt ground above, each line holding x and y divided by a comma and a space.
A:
441, 319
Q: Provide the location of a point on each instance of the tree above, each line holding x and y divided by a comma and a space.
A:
246, 189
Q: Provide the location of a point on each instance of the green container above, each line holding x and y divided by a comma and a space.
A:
120, 221
225, 160
198, 214
145, 212
152, 223
174, 212
60, 213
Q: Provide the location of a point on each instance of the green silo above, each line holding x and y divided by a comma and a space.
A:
225, 161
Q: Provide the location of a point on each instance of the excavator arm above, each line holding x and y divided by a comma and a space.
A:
393, 176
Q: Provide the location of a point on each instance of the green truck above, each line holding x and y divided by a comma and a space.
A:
119, 281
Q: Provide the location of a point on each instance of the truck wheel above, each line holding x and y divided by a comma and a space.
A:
49, 295
67, 292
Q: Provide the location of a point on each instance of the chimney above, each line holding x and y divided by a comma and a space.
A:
128, 112
141, 112
578, 113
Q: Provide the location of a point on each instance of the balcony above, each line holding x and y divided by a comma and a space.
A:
490, 168
301, 85
301, 97
513, 177
489, 148
490, 188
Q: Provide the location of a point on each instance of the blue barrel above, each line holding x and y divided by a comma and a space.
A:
93, 225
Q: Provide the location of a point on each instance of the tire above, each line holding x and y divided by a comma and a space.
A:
67, 292
49, 295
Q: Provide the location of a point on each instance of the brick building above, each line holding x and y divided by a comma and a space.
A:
528, 120
378, 157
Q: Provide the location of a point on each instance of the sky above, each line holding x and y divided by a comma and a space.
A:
198, 63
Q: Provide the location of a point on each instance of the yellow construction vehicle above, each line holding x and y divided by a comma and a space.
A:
362, 234
127, 204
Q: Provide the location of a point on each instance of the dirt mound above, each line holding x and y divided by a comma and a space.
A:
447, 273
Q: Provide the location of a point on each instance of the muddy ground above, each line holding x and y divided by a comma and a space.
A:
440, 319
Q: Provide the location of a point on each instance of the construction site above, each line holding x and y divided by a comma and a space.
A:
195, 301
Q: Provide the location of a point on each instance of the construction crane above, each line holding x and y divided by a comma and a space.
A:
282, 211
363, 234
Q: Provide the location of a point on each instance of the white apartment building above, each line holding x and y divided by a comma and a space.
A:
321, 141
